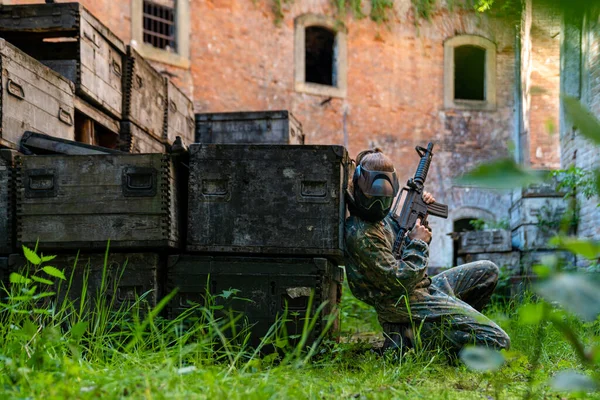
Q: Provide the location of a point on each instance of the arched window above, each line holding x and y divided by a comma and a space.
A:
469, 73
320, 56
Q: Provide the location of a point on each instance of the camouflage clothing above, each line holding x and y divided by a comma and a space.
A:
443, 307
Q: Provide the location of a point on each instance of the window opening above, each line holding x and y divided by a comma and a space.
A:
469, 73
159, 24
320, 55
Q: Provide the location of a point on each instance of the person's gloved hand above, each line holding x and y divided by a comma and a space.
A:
420, 232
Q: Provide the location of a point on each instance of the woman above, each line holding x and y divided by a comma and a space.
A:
410, 305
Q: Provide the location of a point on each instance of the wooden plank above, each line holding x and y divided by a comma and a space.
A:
97, 115
180, 116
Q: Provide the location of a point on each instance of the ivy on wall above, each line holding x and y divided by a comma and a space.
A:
381, 10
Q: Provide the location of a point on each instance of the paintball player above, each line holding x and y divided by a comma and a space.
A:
442, 310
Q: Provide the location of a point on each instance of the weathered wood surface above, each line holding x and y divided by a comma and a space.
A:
531, 237
39, 143
7, 227
488, 241
97, 116
276, 199
127, 276
34, 98
145, 95
180, 116
268, 127
136, 140
530, 210
80, 202
271, 285
93, 59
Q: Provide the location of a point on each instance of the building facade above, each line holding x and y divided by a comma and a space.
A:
472, 83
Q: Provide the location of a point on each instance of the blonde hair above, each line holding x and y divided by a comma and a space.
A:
374, 160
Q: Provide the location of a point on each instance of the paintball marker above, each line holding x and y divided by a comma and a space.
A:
414, 207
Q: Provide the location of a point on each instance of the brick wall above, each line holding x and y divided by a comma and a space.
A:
582, 80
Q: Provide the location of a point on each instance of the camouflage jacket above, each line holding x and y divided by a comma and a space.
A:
375, 276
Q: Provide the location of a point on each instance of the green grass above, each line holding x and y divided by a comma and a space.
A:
52, 351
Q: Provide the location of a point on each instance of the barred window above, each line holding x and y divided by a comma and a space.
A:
160, 24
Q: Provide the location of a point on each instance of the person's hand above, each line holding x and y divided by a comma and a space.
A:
428, 198
420, 232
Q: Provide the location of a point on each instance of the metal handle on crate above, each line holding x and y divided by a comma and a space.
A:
139, 81
215, 190
65, 116
15, 89
116, 67
172, 106
40, 183
139, 182
313, 190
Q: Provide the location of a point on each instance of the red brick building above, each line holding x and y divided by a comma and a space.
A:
470, 82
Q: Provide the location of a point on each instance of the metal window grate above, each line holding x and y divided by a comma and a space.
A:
160, 25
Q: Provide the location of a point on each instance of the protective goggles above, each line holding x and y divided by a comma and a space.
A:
376, 183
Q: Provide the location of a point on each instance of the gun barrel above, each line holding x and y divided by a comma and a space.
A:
423, 168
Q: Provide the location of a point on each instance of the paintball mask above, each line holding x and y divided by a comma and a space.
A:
374, 192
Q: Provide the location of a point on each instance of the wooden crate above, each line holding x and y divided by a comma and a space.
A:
70, 40
7, 228
34, 98
180, 116
268, 199
266, 287
136, 140
145, 97
268, 127
127, 277
94, 127
80, 202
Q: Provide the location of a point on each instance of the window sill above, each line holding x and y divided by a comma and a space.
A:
320, 90
162, 56
470, 105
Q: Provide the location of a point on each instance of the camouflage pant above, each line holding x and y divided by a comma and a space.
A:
447, 312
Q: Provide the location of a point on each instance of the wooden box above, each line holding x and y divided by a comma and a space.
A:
269, 127
70, 40
145, 95
7, 227
80, 202
124, 277
267, 199
180, 116
34, 98
264, 289
136, 140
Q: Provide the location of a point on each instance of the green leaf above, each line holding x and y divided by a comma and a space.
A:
47, 258
542, 271
42, 280
577, 293
55, 272
531, 314
31, 256
41, 311
79, 329
597, 181
501, 174
18, 279
481, 358
572, 381
582, 247
583, 120
44, 294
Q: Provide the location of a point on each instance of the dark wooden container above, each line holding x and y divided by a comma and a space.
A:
144, 101
136, 140
34, 98
70, 40
265, 288
80, 202
268, 199
270, 127
3, 272
7, 227
180, 116
126, 277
